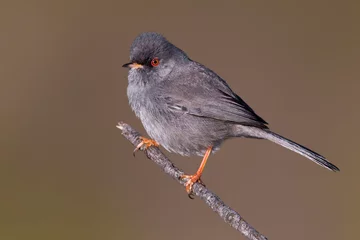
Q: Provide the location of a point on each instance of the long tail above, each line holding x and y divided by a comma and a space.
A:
287, 143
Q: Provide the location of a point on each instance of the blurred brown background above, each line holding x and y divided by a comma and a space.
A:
67, 173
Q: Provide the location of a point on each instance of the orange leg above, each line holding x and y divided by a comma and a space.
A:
147, 142
196, 177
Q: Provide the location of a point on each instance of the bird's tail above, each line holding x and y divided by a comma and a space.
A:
287, 143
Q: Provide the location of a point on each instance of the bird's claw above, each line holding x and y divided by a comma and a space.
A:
189, 184
145, 144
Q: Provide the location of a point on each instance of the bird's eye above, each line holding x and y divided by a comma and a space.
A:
155, 62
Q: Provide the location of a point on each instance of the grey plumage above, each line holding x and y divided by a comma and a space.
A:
187, 108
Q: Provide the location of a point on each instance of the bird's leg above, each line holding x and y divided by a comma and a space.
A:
196, 177
145, 144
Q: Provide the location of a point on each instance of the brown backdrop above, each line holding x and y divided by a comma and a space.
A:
67, 173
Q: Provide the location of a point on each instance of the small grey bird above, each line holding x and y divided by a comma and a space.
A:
188, 109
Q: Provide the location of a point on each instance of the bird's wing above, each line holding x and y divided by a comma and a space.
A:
207, 95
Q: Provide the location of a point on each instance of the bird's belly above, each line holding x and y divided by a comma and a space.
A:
184, 134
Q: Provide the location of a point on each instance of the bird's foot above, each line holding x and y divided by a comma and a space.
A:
191, 180
145, 144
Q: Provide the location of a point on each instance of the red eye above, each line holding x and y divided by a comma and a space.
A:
155, 62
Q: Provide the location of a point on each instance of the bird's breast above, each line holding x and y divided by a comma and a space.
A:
136, 97
146, 109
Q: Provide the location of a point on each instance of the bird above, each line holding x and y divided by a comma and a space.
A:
190, 110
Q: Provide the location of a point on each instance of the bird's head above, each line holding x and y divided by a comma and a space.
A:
152, 58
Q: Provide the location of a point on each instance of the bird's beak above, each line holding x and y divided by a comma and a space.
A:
132, 65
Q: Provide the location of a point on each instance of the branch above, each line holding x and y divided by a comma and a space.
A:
211, 199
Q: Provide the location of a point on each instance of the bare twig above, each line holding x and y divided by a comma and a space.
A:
212, 200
